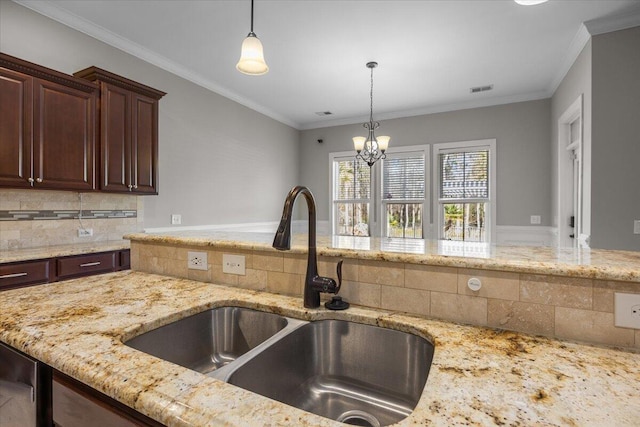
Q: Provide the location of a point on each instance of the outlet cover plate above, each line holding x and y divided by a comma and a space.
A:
176, 219
627, 310
535, 219
233, 264
85, 232
197, 261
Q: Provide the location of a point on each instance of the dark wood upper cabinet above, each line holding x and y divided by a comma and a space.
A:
64, 136
47, 128
16, 148
128, 133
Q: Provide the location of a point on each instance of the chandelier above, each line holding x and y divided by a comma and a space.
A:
371, 149
252, 56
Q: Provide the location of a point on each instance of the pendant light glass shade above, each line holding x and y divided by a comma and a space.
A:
252, 57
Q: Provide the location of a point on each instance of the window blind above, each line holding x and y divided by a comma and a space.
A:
464, 175
403, 178
353, 180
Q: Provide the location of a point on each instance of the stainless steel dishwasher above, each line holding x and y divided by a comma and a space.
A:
24, 394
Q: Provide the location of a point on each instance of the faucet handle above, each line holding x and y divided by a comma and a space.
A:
339, 273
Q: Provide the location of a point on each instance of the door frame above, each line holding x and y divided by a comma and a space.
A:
570, 192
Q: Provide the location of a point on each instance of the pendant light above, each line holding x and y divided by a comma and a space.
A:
371, 149
252, 57
530, 2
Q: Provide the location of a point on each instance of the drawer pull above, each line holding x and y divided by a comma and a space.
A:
11, 276
90, 264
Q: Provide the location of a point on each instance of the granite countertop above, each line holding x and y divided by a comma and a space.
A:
587, 263
479, 376
15, 255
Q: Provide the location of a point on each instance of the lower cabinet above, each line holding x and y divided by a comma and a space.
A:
35, 272
77, 405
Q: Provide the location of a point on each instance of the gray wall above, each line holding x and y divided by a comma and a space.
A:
616, 139
220, 162
521, 130
576, 82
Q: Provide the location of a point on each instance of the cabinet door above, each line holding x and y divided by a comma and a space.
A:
115, 137
64, 137
15, 129
144, 128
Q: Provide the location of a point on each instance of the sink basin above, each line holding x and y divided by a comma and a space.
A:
354, 373
211, 339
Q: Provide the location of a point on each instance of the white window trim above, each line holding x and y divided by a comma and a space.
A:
457, 146
376, 212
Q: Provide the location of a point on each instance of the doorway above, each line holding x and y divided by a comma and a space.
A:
571, 177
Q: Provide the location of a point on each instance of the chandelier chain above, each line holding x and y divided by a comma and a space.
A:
371, 98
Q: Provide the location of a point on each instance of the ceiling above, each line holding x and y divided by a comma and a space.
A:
430, 53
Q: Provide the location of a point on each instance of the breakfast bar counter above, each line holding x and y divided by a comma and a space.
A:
587, 263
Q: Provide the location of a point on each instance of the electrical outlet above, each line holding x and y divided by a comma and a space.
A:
85, 232
233, 264
535, 219
627, 310
636, 227
197, 261
176, 219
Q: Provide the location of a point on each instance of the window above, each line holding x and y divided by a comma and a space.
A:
385, 200
464, 188
351, 197
403, 194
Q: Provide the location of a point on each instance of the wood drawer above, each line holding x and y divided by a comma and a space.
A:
25, 273
82, 265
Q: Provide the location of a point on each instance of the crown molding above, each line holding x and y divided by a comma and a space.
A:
486, 102
630, 19
578, 43
51, 10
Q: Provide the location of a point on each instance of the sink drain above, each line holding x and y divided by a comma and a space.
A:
359, 418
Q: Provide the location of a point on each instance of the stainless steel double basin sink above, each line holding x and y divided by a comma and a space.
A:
350, 372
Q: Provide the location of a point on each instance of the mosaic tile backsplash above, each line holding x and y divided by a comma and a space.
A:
36, 218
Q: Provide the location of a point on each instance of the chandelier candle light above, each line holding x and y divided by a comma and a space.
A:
252, 56
371, 149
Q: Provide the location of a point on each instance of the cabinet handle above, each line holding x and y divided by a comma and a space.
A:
135, 186
11, 276
38, 179
90, 264
30, 181
130, 187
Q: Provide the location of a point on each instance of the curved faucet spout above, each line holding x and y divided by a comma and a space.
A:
313, 283
282, 240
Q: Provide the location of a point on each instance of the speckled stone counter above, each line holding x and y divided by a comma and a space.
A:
479, 376
587, 263
15, 255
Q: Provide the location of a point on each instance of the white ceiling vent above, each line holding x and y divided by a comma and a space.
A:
324, 113
478, 89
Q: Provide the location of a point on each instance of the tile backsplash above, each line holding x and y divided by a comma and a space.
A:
35, 218
578, 309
